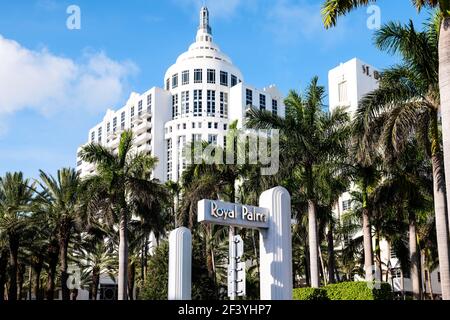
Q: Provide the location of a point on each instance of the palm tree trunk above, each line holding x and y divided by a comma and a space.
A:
444, 86
430, 285
63, 248
123, 257
367, 239
3, 270
52, 264
131, 278
95, 283
379, 274
440, 209
414, 257
21, 279
313, 244
322, 266
13, 254
331, 258
37, 269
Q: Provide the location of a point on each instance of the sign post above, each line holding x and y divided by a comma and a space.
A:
236, 268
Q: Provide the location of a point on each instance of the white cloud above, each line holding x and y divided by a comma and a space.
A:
291, 20
42, 81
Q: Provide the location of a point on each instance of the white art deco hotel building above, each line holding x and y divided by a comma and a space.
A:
203, 93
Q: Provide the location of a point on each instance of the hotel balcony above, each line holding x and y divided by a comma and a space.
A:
141, 125
142, 138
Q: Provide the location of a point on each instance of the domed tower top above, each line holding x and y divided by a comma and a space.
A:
204, 29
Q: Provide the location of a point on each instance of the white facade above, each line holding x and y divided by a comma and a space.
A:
348, 84
203, 93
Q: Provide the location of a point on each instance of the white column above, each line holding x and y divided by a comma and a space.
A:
276, 246
180, 264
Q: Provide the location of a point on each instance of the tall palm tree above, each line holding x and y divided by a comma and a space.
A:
332, 9
17, 194
406, 105
310, 137
62, 211
123, 180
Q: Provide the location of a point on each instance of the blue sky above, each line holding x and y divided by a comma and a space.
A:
57, 83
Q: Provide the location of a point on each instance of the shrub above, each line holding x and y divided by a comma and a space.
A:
310, 294
345, 291
358, 291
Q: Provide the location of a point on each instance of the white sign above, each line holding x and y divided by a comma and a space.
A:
231, 214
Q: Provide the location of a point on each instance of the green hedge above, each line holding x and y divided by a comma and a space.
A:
346, 291
310, 294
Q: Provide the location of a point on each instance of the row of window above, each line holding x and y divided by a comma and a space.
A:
184, 109
262, 101
140, 113
197, 125
211, 78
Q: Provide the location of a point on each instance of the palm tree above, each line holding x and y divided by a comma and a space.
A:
17, 194
310, 137
62, 211
332, 9
407, 105
123, 180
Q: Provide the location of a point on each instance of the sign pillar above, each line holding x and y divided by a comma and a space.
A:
276, 246
180, 260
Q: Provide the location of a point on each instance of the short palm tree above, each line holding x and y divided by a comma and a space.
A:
406, 106
16, 194
122, 182
63, 212
310, 137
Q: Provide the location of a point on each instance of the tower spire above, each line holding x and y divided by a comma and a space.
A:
204, 20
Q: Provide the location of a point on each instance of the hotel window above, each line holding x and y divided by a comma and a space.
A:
122, 120
132, 113
185, 78
212, 139
198, 103
234, 80
169, 159
198, 76
225, 127
216, 125
199, 125
275, 107
167, 84
209, 125
100, 131
225, 142
175, 106
175, 81
262, 102
223, 104
193, 125
184, 103
140, 109
224, 78
149, 103
92, 136
211, 103
115, 124
196, 137
211, 76
108, 128
342, 88
184, 126
346, 205
248, 97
